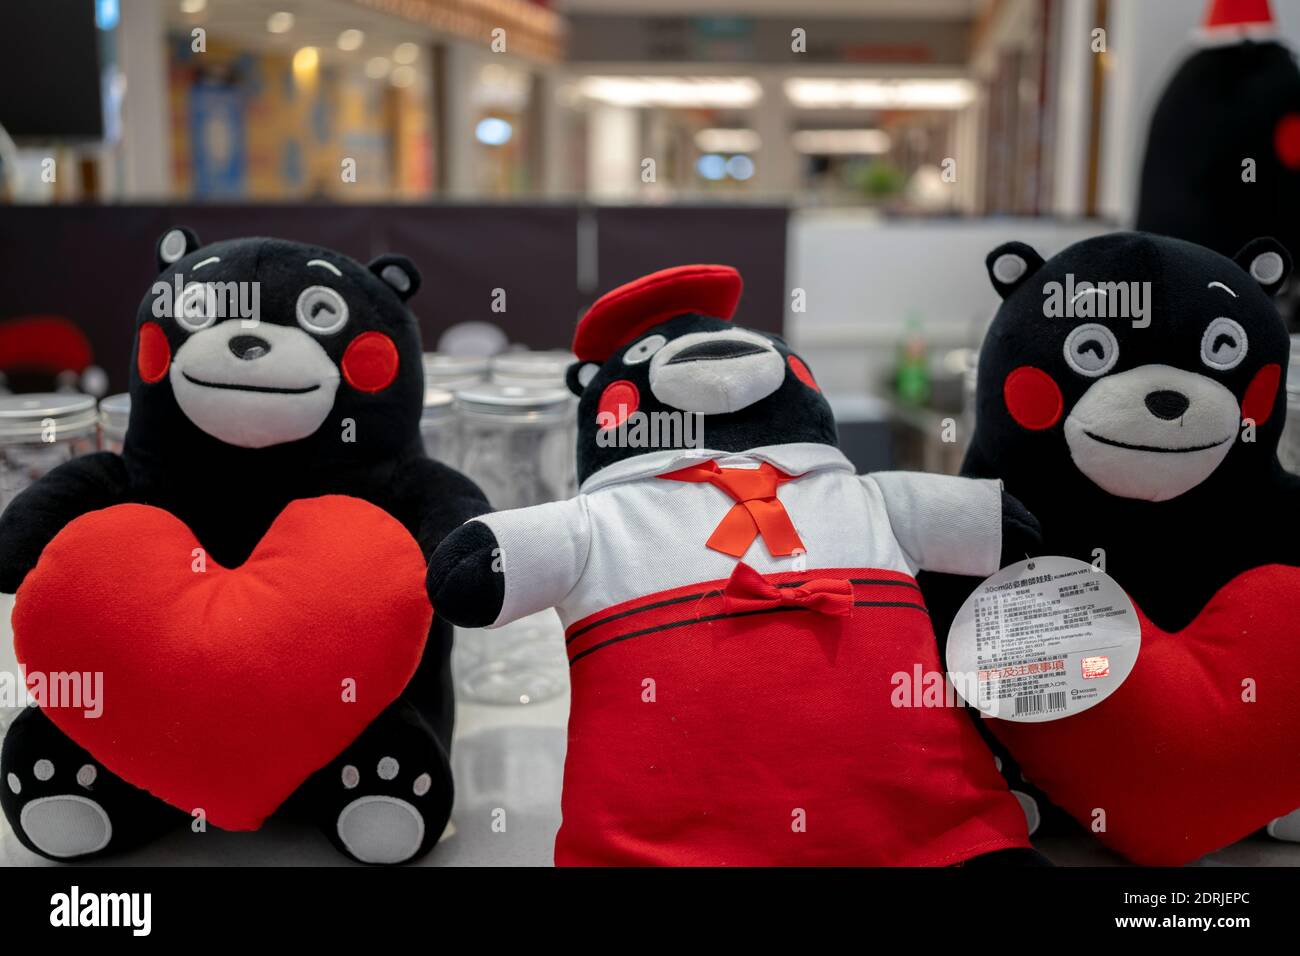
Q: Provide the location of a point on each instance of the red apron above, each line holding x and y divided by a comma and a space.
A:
755, 729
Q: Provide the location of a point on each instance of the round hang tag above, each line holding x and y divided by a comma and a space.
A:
1043, 639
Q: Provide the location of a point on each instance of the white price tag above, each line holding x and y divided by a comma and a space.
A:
1043, 639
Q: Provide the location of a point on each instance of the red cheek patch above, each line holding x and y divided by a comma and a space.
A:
619, 400
1286, 140
1032, 398
802, 372
1260, 394
154, 356
370, 362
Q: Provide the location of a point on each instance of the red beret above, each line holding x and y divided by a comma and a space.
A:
619, 316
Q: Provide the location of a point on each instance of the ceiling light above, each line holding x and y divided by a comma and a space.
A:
377, 67
830, 93
711, 166
406, 53
350, 40
193, 6
828, 142
683, 92
305, 62
402, 76
493, 131
281, 22
740, 167
722, 140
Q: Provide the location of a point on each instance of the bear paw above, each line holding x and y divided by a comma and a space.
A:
58, 815
383, 827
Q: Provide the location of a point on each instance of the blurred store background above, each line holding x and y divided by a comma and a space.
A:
855, 158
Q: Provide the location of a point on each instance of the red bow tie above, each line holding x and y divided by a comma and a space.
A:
747, 590
757, 510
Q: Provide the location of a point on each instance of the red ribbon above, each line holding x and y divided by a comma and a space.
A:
747, 590
757, 510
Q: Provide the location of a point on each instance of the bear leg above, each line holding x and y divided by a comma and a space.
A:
65, 805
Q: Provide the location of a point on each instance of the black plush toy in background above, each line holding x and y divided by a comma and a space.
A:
1222, 162
748, 651
249, 575
1131, 393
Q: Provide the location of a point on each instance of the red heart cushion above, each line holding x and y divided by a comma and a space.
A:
225, 689
1178, 759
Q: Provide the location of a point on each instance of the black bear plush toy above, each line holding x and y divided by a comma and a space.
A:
1222, 190
752, 666
1131, 393
247, 578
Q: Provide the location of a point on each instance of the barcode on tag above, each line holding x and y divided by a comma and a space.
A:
1039, 703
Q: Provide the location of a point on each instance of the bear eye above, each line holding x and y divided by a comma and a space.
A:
644, 349
1223, 345
195, 310
321, 310
1091, 350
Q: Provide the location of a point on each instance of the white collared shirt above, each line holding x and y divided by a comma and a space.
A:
628, 534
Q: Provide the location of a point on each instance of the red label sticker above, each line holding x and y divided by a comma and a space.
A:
1096, 667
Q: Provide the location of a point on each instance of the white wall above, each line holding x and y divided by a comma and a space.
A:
864, 276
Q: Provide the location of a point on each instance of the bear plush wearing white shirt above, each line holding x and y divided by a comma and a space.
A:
743, 626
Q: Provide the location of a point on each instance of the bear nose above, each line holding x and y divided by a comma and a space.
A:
249, 347
1167, 404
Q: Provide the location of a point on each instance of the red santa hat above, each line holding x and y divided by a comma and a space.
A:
621, 315
1238, 19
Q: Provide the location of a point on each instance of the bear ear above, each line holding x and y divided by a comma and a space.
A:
399, 273
1010, 264
579, 374
174, 245
1267, 261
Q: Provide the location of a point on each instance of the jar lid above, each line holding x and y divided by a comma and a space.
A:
24, 417
438, 402
513, 400
526, 367
115, 410
440, 369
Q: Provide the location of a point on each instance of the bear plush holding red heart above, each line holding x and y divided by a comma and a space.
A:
1131, 393
244, 585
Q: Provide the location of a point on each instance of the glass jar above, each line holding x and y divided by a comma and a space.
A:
114, 415
532, 369
40, 431
517, 443
518, 446
451, 372
37, 433
440, 428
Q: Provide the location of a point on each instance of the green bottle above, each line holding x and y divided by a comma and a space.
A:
912, 373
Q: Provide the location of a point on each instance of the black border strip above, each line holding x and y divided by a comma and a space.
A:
703, 594
718, 617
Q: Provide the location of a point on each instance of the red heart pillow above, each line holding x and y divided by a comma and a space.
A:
1178, 758
225, 689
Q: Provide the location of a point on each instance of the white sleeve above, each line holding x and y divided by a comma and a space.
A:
543, 551
946, 524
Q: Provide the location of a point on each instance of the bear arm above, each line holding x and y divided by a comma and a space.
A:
541, 554
463, 581
942, 523
434, 500
41, 511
